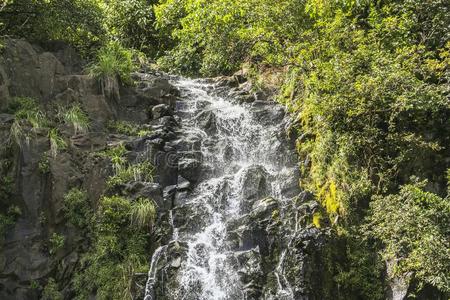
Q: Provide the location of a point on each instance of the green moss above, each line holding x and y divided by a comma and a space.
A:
317, 217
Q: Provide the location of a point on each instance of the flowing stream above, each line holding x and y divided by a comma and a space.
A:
243, 157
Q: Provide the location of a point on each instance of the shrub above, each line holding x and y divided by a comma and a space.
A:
17, 133
413, 229
44, 164
34, 285
56, 242
132, 23
22, 107
51, 291
26, 112
77, 208
5, 222
7, 219
116, 155
143, 213
77, 22
119, 250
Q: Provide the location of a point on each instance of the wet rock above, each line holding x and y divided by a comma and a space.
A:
89, 141
156, 90
169, 192
176, 263
189, 168
187, 144
161, 110
190, 217
180, 198
154, 192
183, 184
266, 113
254, 186
226, 81
263, 209
207, 121
250, 272
167, 266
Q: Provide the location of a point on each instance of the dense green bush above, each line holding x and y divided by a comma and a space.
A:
131, 22
119, 250
128, 128
51, 291
413, 228
77, 208
132, 172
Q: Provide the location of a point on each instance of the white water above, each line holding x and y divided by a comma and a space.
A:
239, 143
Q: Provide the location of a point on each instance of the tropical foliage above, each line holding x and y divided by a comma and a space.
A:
413, 228
119, 250
367, 83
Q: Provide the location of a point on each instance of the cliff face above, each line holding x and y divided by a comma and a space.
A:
35, 183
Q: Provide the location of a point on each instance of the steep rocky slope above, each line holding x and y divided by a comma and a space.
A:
35, 183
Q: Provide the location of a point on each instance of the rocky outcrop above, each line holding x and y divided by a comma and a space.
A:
40, 181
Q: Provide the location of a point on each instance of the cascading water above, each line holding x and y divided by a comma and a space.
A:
244, 158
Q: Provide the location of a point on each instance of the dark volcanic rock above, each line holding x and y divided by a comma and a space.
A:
161, 110
255, 186
40, 181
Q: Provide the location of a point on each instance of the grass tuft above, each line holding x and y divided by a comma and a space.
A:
143, 213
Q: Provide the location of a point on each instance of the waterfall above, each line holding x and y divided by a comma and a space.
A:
243, 159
